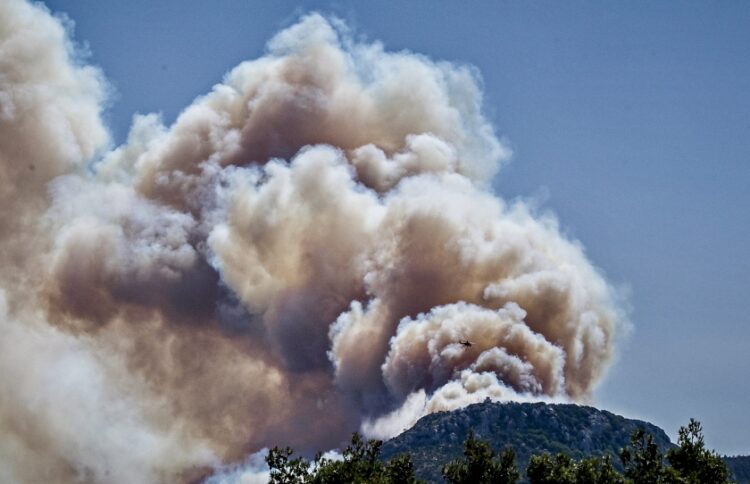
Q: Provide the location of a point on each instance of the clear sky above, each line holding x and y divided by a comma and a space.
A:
629, 120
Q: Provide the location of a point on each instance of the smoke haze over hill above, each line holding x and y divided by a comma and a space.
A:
303, 248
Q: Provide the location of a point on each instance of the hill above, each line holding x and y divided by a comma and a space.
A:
531, 428
740, 467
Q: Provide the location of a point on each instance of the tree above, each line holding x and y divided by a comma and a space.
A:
482, 465
285, 470
693, 462
644, 462
606, 472
360, 464
544, 469
400, 470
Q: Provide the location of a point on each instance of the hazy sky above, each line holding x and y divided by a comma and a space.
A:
629, 120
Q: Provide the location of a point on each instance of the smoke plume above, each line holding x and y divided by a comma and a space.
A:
298, 256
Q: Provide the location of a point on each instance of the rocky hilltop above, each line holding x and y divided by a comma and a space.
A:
531, 428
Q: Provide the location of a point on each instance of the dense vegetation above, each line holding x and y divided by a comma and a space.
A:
520, 442
531, 428
643, 463
360, 464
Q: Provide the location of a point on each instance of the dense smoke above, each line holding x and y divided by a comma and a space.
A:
297, 257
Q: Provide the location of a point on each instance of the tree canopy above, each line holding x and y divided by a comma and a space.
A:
642, 462
481, 465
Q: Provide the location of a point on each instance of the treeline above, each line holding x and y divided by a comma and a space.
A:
642, 463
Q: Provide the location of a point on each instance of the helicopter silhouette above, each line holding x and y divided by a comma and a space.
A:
465, 343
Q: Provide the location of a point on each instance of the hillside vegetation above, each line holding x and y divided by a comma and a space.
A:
740, 467
506, 443
531, 428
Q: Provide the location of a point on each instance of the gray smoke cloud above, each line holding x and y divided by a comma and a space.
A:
296, 257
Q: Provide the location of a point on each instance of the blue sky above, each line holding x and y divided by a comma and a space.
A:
629, 120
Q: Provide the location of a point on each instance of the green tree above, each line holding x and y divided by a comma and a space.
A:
360, 464
545, 469
606, 472
561, 469
693, 462
482, 465
284, 469
400, 470
644, 462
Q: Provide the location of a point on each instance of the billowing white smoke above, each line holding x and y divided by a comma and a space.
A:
304, 248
